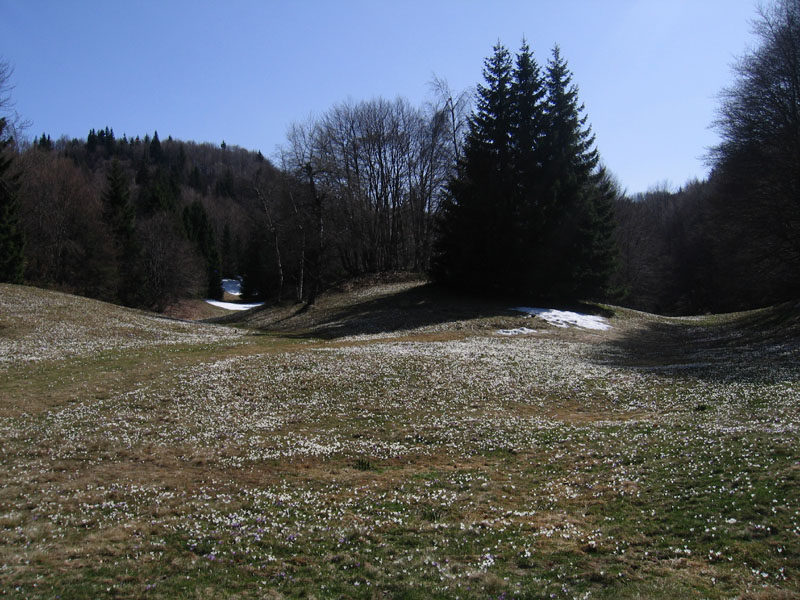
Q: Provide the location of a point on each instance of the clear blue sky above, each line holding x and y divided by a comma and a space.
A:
241, 71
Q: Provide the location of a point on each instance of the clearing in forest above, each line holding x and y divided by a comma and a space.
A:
393, 442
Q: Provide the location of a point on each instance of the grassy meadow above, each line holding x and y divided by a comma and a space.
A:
390, 443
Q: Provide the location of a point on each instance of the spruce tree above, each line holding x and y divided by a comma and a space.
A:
569, 141
478, 205
117, 209
529, 209
118, 212
529, 128
198, 230
12, 242
576, 198
156, 153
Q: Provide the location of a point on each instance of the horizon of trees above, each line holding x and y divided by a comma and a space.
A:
507, 198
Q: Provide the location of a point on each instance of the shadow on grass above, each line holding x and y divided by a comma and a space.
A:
420, 306
754, 347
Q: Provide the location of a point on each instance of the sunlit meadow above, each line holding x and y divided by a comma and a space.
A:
147, 458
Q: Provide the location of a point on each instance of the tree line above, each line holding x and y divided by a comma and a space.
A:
730, 242
507, 197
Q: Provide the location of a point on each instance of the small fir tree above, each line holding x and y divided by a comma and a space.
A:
156, 153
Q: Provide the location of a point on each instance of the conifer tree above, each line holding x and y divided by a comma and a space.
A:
196, 179
228, 258
198, 230
478, 204
91, 141
569, 141
156, 153
43, 143
12, 242
574, 259
118, 213
529, 209
529, 128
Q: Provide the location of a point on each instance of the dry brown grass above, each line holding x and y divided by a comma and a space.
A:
395, 445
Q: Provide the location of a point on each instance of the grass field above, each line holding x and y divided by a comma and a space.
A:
389, 443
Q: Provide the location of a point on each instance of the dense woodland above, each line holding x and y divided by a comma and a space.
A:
501, 191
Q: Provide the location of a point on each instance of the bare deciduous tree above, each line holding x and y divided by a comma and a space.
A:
14, 122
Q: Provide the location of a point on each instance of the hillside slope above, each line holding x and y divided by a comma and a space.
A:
379, 308
418, 453
37, 324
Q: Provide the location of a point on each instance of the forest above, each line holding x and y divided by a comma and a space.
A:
499, 190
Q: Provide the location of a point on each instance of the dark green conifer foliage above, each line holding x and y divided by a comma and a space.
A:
228, 259
529, 210
118, 213
226, 186
91, 141
12, 241
143, 173
529, 127
479, 203
575, 190
198, 230
196, 180
180, 163
44, 143
158, 192
156, 153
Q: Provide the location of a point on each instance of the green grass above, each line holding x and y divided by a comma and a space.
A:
657, 460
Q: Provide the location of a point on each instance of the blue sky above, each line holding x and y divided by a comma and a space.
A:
649, 71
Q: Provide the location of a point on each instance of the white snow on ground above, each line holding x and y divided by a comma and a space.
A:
232, 287
565, 318
233, 305
517, 331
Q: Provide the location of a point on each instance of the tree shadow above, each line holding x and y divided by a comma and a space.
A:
347, 313
423, 306
761, 347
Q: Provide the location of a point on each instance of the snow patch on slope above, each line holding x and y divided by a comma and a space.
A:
517, 331
233, 305
566, 318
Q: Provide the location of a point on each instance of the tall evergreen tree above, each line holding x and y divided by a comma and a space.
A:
228, 260
12, 242
479, 203
529, 210
529, 128
572, 156
198, 230
576, 193
156, 153
118, 213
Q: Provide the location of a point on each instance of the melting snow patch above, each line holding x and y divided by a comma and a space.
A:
565, 318
517, 331
233, 305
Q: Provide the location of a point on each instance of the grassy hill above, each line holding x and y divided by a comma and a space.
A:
390, 442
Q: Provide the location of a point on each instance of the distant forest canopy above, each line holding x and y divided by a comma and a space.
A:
508, 196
